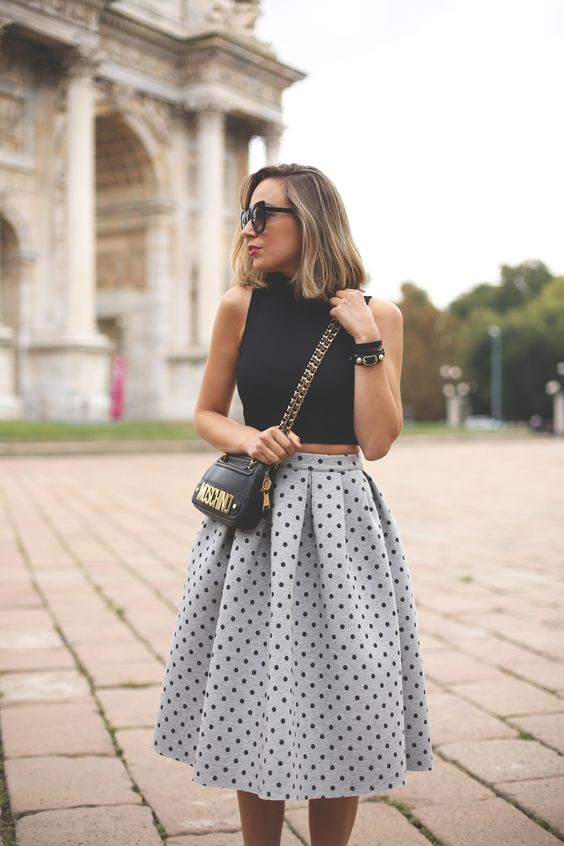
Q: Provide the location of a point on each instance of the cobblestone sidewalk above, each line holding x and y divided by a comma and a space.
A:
93, 553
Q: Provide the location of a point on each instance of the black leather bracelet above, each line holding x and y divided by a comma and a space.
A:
369, 358
368, 345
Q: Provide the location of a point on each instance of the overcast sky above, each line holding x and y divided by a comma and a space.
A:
442, 124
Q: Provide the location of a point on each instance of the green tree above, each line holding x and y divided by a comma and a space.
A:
519, 284
532, 343
430, 340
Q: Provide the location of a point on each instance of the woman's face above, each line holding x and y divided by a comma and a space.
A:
278, 247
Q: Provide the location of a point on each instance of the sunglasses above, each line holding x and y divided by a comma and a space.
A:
258, 214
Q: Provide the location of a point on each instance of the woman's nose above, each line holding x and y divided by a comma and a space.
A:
248, 230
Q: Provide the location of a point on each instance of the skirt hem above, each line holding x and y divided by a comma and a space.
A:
360, 791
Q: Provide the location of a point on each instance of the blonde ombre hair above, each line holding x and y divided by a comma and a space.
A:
329, 259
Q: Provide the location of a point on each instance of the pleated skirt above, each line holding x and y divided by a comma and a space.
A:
295, 668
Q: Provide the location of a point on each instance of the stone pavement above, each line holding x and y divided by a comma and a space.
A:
93, 554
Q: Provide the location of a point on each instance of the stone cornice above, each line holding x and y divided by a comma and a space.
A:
115, 22
233, 68
213, 45
58, 13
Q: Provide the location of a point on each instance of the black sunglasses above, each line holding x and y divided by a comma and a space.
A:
258, 213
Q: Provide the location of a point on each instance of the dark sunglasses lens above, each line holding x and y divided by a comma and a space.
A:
259, 218
245, 216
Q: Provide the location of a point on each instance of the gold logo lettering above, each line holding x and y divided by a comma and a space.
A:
214, 497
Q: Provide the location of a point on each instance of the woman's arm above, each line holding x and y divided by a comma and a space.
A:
378, 416
211, 419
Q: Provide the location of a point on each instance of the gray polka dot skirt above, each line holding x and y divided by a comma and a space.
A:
295, 669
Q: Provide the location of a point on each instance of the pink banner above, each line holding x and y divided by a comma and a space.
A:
118, 387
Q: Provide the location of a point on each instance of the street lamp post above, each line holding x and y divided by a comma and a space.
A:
494, 332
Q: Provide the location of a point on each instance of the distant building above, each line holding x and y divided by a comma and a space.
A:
124, 135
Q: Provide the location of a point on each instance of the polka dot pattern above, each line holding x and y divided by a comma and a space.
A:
295, 669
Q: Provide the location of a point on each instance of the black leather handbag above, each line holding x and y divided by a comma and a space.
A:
236, 488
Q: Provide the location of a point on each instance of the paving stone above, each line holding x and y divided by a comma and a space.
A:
119, 652
462, 598
526, 634
498, 652
35, 638
546, 727
82, 632
39, 784
25, 619
35, 659
54, 729
43, 687
23, 596
223, 838
444, 784
450, 666
510, 696
430, 643
505, 760
122, 825
451, 718
543, 797
376, 823
147, 671
549, 674
182, 806
490, 822
130, 707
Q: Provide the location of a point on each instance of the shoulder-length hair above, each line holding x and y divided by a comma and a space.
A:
329, 259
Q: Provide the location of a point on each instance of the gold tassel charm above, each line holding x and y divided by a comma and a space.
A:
266, 485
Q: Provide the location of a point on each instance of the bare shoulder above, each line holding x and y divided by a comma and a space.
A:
386, 310
234, 305
236, 299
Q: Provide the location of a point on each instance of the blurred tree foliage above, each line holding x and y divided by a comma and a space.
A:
430, 340
527, 304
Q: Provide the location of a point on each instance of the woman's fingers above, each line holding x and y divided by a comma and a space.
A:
278, 444
295, 440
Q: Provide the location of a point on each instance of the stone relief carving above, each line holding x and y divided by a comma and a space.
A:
121, 261
156, 114
133, 53
11, 123
234, 14
14, 181
82, 61
84, 12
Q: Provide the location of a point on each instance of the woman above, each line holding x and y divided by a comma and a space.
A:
295, 669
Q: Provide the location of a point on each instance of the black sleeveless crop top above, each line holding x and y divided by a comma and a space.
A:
279, 337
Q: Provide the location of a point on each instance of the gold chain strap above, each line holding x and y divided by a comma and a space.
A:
303, 385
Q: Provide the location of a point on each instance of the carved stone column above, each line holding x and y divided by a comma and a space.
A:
80, 314
272, 138
26, 264
157, 331
211, 146
10, 403
182, 249
70, 365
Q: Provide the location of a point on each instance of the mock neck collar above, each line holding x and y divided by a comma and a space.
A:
278, 279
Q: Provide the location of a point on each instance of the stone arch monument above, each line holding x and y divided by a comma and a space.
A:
124, 135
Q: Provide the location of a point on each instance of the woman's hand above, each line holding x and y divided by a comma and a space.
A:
354, 314
272, 445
